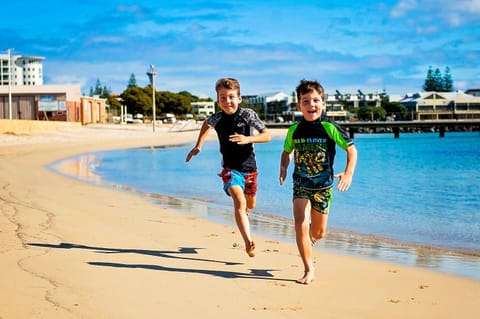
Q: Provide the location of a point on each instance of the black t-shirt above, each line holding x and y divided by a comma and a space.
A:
244, 121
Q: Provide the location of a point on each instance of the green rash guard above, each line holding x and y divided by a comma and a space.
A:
314, 146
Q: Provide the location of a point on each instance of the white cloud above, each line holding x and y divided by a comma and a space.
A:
453, 13
403, 7
429, 29
106, 39
472, 6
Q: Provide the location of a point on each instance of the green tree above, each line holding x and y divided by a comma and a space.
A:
447, 80
137, 100
113, 104
435, 81
177, 104
101, 91
132, 82
438, 80
371, 113
429, 84
98, 90
105, 92
395, 108
189, 96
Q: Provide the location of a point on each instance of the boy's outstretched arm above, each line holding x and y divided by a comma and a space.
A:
284, 161
201, 138
346, 177
262, 137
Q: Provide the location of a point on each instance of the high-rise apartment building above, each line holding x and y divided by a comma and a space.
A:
24, 70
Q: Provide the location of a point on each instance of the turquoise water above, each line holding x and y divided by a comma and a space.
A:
414, 200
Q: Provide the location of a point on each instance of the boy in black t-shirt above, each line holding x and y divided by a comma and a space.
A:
235, 127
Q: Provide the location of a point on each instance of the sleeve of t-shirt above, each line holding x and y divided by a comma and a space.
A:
288, 144
338, 134
213, 119
255, 121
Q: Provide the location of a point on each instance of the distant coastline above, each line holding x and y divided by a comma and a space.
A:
403, 126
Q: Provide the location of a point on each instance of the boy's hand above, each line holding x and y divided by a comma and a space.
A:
283, 175
239, 139
192, 153
344, 182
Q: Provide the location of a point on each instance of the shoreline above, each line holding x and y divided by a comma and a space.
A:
74, 250
340, 241
460, 262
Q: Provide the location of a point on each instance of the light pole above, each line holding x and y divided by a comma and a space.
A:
152, 75
10, 84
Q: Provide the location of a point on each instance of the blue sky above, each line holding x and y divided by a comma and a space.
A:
268, 45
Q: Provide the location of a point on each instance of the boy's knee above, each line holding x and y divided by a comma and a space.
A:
251, 202
317, 235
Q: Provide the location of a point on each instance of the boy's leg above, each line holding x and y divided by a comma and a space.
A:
251, 202
318, 227
301, 214
250, 190
241, 217
320, 201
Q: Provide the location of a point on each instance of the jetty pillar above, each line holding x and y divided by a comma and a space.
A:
396, 131
441, 131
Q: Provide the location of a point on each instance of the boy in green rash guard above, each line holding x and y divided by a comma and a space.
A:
313, 141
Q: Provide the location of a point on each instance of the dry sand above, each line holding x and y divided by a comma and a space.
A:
73, 250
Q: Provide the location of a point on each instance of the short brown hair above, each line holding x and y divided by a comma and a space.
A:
307, 86
228, 83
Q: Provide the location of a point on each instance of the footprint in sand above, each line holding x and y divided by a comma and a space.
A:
290, 308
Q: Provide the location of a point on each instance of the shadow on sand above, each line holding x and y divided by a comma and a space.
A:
181, 253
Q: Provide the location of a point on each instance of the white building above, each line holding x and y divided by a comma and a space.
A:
442, 105
269, 105
204, 108
24, 70
267, 98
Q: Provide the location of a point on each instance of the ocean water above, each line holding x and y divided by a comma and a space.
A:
414, 200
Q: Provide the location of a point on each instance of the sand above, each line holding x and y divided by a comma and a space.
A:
73, 250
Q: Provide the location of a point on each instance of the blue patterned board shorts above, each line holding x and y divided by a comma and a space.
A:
247, 181
320, 198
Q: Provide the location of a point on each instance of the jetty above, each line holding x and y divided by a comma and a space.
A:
395, 127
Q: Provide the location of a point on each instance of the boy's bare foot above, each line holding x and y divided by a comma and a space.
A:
307, 278
313, 241
250, 249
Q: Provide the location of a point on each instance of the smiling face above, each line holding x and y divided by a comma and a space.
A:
228, 100
312, 105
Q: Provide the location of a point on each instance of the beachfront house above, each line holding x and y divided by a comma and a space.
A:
203, 109
441, 106
269, 105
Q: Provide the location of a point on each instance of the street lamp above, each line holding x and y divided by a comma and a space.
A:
151, 74
9, 84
